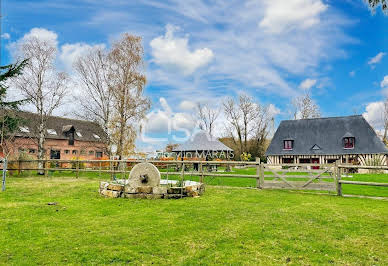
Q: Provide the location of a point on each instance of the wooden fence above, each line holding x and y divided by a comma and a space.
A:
341, 168
325, 177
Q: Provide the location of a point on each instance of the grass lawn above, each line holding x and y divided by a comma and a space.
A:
224, 226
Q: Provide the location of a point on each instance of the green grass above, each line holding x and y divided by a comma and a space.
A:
224, 226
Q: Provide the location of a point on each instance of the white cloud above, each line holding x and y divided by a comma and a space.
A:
71, 52
174, 53
6, 36
352, 73
273, 110
376, 59
384, 82
283, 15
187, 105
307, 84
40, 33
374, 114
167, 121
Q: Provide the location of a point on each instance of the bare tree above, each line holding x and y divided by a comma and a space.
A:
248, 122
127, 80
207, 117
305, 107
373, 4
41, 83
96, 101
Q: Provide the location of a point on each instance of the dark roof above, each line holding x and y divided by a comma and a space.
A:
202, 142
327, 134
61, 125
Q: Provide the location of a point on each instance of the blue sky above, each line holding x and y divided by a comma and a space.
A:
203, 51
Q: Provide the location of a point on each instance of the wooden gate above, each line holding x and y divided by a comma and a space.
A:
298, 176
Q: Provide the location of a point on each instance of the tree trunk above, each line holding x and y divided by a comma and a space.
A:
41, 141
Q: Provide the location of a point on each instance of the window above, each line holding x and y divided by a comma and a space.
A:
32, 151
51, 131
78, 134
74, 152
288, 144
98, 154
96, 136
83, 152
91, 153
71, 138
349, 143
24, 129
67, 151
288, 160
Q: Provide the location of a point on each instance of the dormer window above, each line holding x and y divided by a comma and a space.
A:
24, 129
349, 143
288, 144
51, 131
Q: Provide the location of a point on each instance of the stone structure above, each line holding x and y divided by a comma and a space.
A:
144, 182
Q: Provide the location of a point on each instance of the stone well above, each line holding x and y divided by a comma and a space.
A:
144, 182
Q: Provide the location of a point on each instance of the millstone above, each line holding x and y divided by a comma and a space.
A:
144, 174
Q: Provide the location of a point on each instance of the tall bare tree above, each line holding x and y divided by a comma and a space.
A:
41, 83
373, 4
305, 107
96, 101
248, 122
127, 80
207, 117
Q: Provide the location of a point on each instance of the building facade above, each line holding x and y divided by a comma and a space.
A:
349, 139
65, 138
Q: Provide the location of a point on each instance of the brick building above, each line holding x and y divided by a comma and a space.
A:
65, 138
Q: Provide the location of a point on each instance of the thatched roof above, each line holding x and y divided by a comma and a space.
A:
202, 142
324, 136
57, 127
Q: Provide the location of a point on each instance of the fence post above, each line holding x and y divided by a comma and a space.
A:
99, 172
182, 178
201, 171
77, 169
337, 179
4, 174
19, 166
258, 185
45, 168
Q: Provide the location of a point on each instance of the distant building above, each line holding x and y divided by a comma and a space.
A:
203, 147
349, 139
65, 138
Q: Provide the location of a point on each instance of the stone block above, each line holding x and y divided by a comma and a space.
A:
111, 193
174, 190
172, 196
129, 189
104, 185
116, 187
136, 196
159, 190
144, 189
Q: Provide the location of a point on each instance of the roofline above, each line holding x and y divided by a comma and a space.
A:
325, 154
61, 117
329, 117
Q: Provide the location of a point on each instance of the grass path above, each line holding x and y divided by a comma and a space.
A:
228, 225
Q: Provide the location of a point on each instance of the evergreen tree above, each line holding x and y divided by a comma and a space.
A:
9, 121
